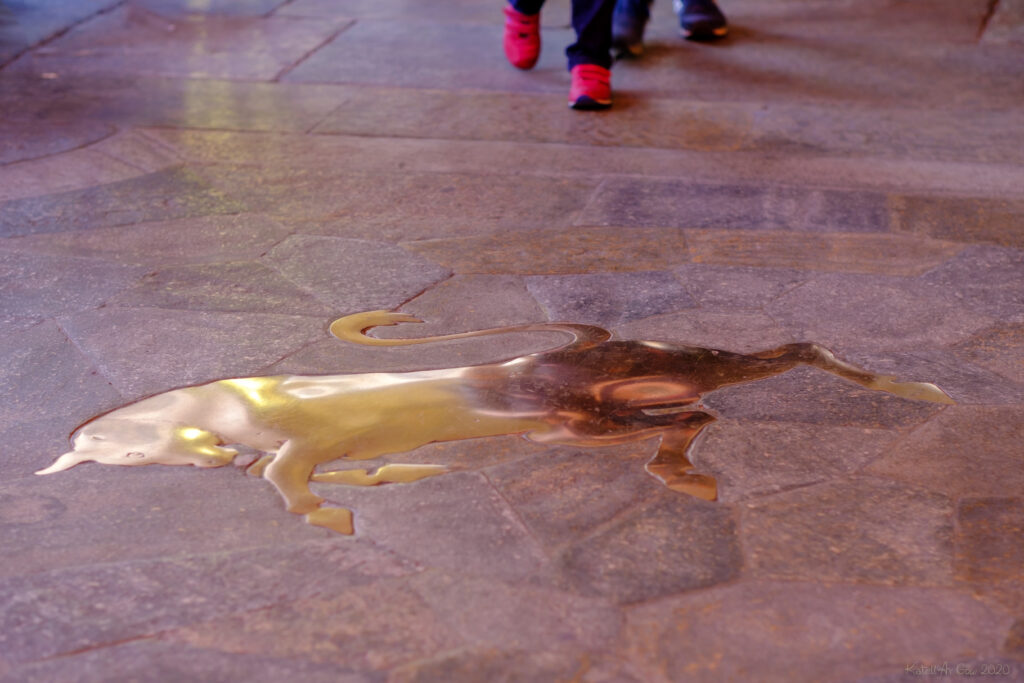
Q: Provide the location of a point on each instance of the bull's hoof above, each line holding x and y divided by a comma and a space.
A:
335, 519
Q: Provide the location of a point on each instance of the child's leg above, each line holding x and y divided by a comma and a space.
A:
526, 6
592, 20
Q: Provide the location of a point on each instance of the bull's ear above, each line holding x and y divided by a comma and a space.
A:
66, 461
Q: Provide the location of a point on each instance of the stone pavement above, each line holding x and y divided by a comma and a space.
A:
193, 189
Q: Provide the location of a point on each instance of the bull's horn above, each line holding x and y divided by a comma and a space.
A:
66, 461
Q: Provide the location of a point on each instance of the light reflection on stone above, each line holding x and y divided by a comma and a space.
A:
587, 392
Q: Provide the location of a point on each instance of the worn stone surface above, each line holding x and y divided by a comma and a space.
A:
828, 628
853, 530
353, 275
673, 545
608, 299
194, 190
963, 451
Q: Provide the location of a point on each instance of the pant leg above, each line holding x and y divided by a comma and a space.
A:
592, 20
526, 6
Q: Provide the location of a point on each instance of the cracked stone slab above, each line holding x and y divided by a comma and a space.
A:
38, 287
567, 493
554, 617
685, 204
856, 530
68, 610
204, 239
153, 659
455, 522
470, 665
963, 451
985, 279
147, 350
752, 459
133, 40
67, 172
843, 252
402, 205
608, 299
32, 23
229, 287
827, 629
354, 275
561, 251
861, 312
676, 544
164, 195
812, 396
990, 540
745, 332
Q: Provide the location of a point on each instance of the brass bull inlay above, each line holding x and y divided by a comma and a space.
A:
587, 392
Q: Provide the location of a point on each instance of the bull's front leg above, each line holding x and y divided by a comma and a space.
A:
290, 472
671, 464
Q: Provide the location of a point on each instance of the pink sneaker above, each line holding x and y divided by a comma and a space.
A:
522, 38
591, 87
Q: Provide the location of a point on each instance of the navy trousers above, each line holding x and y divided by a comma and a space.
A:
592, 20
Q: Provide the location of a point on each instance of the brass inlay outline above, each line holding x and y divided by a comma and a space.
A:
589, 391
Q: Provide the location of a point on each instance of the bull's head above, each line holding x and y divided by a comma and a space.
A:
114, 441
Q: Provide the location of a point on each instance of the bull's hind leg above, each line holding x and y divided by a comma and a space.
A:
290, 471
820, 357
386, 474
671, 464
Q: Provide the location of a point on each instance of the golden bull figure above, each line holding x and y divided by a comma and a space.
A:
587, 392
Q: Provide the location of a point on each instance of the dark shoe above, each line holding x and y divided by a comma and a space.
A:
591, 87
628, 23
522, 38
700, 19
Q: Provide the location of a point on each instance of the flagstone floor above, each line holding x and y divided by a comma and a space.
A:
193, 189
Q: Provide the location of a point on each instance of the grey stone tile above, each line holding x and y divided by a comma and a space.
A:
858, 530
676, 544
468, 665
555, 13
1006, 25
872, 313
455, 522
964, 451
164, 195
402, 205
23, 140
75, 170
135, 40
518, 618
37, 287
44, 376
354, 275
153, 660
736, 287
383, 625
812, 396
169, 243
179, 8
745, 332
230, 287
750, 459
608, 299
685, 204
985, 279
25, 25
69, 610
485, 301
816, 630
148, 350
567, 493
400, 52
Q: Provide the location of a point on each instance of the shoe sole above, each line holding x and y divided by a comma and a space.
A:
704, 35
584, 103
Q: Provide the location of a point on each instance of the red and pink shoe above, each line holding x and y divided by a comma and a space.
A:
591, 87
522, 38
